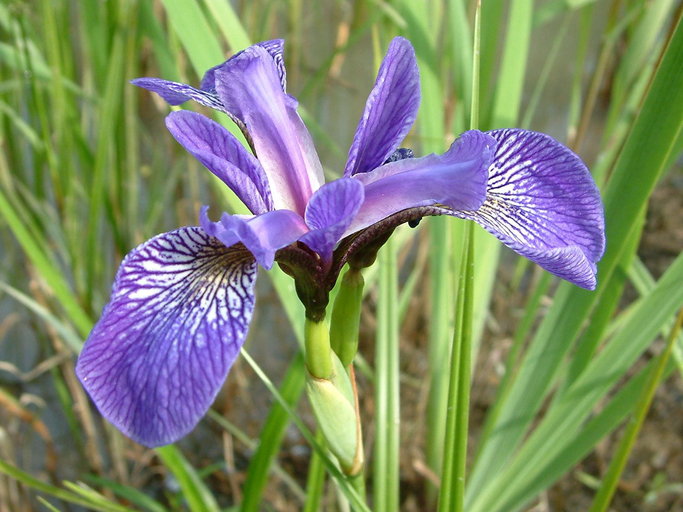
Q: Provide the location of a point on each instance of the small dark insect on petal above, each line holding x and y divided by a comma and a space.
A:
400, 154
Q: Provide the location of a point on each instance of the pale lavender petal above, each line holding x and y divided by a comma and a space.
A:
390, 110
329, 212
456, 179
542, 202
224, 156
249, 87
179, 312
274, 47
262, 234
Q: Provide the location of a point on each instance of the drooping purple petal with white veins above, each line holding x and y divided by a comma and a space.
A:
179, 312
329, 212
249, 87
262, 234
220, 152
390, 110
542, 202
455, 179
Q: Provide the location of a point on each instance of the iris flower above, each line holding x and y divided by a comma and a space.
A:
182, 301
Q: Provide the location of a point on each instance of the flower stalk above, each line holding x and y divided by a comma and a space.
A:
317, 344
345, 321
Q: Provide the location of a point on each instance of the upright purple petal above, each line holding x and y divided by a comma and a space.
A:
179, 312
330, 212
274, 47
542, 202
456, 179
390, 110
249, 87
262, 235
223, 155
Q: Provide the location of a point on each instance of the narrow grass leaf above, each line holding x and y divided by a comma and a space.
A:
195, 492
194, 31
47, 269
89, 502
570, 411
616, 467
130, 494
387, 418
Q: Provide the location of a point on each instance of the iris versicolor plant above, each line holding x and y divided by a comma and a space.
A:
181, 302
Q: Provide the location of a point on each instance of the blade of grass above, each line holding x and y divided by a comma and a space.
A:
47, 269
194, 31
271, 436
583, 440
387, 417
452, 491
611, 479
130, 494
197, 494
90, 502
315, 481
229, 23
568, 413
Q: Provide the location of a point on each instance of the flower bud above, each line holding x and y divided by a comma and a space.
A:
333, 404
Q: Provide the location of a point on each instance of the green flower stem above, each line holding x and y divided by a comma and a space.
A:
452, 492
345, 321
318, 353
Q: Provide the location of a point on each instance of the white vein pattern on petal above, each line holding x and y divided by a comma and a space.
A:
525, 210
182, 283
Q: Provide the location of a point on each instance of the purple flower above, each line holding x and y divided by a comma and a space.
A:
182, 301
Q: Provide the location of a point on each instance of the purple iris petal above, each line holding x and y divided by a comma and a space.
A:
262, 235
274, 47
541, 201
249, 87
176, 93
456, 179
179, 313
329, 212
390, 110
224, 156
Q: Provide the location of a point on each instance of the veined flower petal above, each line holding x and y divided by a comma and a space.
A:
390, 110
224, 156
249, 87
175, 93
455, 179
329, 212
262, 234
542, 202
179, 312
275, 47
